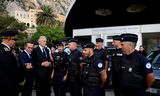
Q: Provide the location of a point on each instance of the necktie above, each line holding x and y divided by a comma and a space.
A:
30, 56
44, 53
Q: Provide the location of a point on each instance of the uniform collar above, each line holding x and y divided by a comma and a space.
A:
131, 55
100, 49
91, 56
6, 46
74, 50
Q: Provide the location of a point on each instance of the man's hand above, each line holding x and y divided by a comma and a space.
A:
23, 82
46, 63
29, 66
65, 78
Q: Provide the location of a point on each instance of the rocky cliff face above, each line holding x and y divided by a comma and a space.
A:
59, 6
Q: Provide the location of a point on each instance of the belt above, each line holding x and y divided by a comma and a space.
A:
93, 84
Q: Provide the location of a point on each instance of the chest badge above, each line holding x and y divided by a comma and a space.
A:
130, 69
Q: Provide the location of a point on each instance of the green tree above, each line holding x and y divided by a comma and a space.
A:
46, 17
22, 38
7, 22
53, 34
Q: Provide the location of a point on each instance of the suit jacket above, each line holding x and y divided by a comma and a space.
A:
10, 73
38, 57
24, 58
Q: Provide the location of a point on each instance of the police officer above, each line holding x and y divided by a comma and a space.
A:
116, 57
74, 69
60, 71
10, 72
93, 72
135, 71
102, 54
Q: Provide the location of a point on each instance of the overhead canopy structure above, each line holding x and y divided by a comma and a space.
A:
106, 13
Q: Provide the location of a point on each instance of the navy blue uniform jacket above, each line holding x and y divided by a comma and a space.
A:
10, 73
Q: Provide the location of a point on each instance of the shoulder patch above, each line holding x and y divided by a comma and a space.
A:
80, 58
100, 65
148, 65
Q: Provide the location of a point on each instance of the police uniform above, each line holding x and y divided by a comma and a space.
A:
73, 79
102, 54
116, 57
10, 72
90, 74
134, 69
60, 70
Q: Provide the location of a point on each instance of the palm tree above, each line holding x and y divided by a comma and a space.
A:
46, 17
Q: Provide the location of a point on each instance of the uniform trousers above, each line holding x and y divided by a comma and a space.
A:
58, 85
92, 91
43, 86
75, 88
116, 83
126, 91
28, 86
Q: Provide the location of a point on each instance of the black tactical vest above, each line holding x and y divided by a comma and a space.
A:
60, 63
90, 75
74, 66
132, 73
116, 59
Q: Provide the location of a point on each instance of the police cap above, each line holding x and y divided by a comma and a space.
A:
99, 40
129, 37
9, 34
88, 45
73, 40
117, 37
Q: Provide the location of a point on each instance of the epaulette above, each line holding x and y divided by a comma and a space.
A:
6, 49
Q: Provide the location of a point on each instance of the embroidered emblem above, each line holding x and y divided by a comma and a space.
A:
6, 49
100, 65
148, 65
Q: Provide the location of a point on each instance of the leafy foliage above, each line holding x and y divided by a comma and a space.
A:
22, 38
53, 34
46, 17
7, 22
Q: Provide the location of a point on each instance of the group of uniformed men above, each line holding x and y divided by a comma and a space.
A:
131, 72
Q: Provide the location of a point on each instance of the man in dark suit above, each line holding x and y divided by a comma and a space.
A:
42, 66
25, 61
10, 73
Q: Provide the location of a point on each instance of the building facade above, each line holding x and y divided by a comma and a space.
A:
29, 18
148, 34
